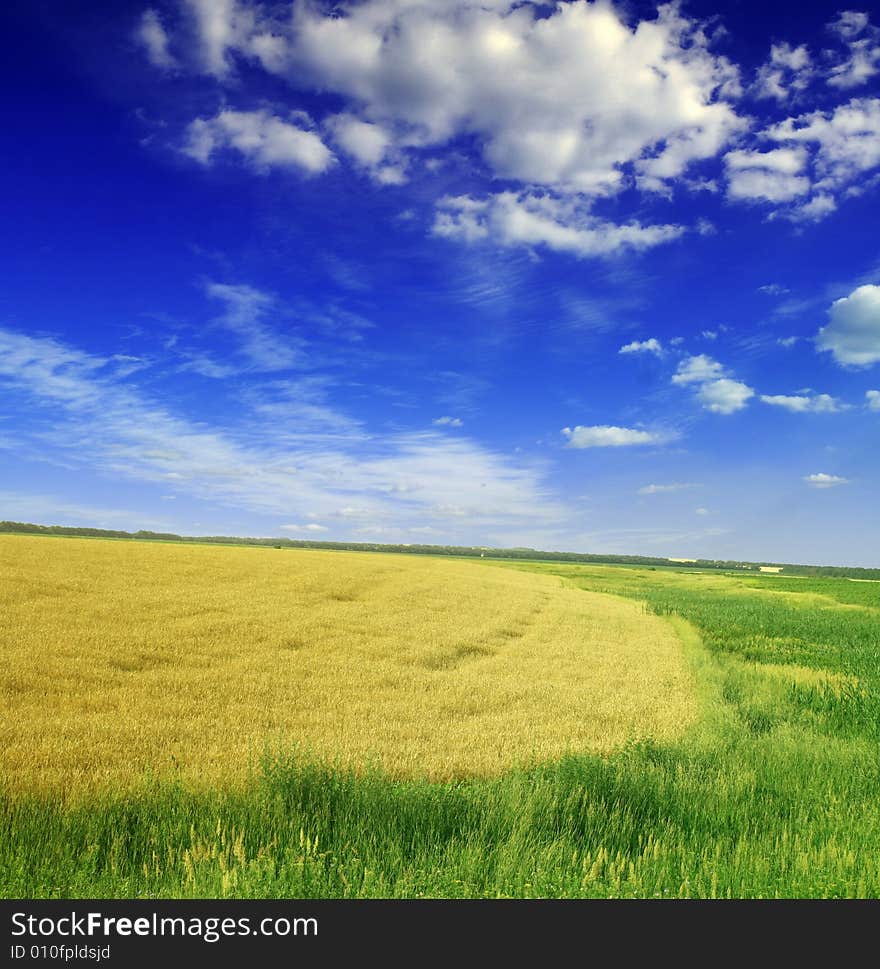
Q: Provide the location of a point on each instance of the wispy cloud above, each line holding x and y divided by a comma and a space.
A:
152, 36
311, 527
246, 315
406, 479
773, 289
49, 509
659, 489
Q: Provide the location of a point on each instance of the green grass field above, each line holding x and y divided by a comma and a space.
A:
772, 790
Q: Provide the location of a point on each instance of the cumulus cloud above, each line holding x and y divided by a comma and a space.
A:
527, 219
863, 50
872, 399
822, 480
852, 335
564, 101
769, 176
447, 421
804, 403
570, 103
151, 35
651, 345
311, 527
725, 396
843, 145
715, 391
849, 24
787, 72
697, 369
262, 139
604, 435
368, 144
813, 211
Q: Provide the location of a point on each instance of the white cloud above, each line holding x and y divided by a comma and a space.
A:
651, 345
151, 35
50, 509
860, 68
802, 403
725, 396
447, 421
560, 224
702, 511
311, 527
843, 144
697, 369
786, 161
813, 211
853, 334
849, 24
370, 145
563, 101
872, 399
461, 217
657, 489
769, 176
569, 101
604, 435
787, 341
76, 407
366, 142
822, 480
863, 48
245, 315
773, 289
264, 140
715, 391
220, 25
788, 71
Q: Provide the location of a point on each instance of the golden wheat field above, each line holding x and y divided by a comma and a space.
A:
123, 660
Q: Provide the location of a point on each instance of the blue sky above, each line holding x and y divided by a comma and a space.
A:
587, 276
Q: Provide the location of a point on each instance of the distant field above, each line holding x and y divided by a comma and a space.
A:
489, 715
121, 660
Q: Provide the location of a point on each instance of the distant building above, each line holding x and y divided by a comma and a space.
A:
770, 568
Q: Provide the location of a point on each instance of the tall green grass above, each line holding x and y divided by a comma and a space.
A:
775, 793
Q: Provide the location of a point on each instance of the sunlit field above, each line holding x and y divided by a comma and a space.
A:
126, 660
191, 721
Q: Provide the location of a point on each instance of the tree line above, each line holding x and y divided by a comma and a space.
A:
470, 551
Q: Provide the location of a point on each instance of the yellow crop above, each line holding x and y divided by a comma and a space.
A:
121, 659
